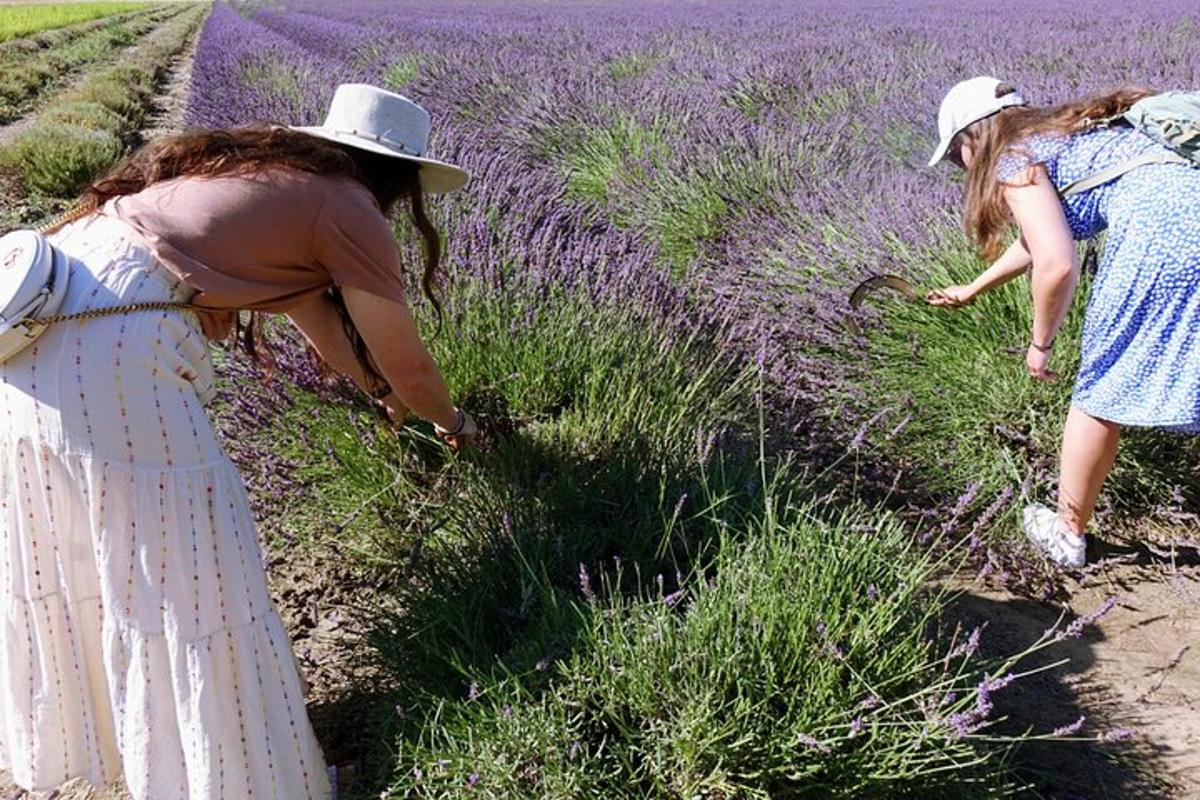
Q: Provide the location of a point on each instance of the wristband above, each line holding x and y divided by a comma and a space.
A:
458, 428
1040, 348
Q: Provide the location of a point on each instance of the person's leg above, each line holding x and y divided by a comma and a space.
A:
1089, 448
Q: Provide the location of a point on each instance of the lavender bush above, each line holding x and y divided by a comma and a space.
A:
798, 667
767, 163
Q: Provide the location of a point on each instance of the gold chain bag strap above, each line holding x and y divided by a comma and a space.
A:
77, 212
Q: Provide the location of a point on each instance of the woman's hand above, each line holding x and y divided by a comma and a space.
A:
396, 411
1015, 261
1036, 360
951, 296
463, 437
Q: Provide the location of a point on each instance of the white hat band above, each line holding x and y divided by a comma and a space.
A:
377, 137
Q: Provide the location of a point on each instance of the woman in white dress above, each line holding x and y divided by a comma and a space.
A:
138, 638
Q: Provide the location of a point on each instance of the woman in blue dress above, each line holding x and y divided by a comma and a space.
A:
1139, 355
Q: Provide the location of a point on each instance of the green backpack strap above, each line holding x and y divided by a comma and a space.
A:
1117, 170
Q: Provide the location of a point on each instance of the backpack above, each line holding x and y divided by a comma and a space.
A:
1172, 119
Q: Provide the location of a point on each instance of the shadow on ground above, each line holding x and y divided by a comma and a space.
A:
1134, 768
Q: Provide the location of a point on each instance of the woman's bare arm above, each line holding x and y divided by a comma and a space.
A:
1038, 211
321, 325
395, 346
1010, 264
391, 335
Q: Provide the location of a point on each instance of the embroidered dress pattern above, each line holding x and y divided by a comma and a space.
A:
1141, 334
139, 638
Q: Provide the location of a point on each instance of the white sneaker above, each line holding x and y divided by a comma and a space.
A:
1051, 536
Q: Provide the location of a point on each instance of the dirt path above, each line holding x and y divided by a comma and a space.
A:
169, 106
1137, 668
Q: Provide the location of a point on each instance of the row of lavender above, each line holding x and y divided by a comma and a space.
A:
788, 159
770, 162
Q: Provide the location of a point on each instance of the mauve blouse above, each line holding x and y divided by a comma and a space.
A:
266, 240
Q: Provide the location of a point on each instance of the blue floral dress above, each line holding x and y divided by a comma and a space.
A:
1140, 355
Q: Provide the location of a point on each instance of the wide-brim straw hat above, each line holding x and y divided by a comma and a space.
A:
379, 121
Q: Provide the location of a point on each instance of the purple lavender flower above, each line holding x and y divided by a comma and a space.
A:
1071, 729
585, 584
1117, 735
964, 724
1075, 629
964, 501
813, 743
895, 431
869, 702
679, 505
970, 646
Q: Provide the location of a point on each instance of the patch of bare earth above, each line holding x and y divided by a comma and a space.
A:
328, 605
1136, 670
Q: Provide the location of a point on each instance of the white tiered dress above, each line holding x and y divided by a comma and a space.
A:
138, 636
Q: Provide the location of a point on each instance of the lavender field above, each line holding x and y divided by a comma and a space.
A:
618, 597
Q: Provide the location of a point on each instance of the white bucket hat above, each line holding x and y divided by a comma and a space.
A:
374, 119
966, 103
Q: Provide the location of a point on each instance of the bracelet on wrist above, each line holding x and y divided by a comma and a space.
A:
458, 427
1042, 348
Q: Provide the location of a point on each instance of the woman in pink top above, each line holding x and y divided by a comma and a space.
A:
140, 640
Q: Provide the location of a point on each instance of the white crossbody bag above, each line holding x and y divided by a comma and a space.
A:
33, 283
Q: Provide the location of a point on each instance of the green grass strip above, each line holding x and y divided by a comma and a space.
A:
24, 19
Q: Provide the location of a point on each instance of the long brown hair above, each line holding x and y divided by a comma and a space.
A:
246, 149
987, 216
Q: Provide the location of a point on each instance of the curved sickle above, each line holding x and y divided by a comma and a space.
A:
894, 282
